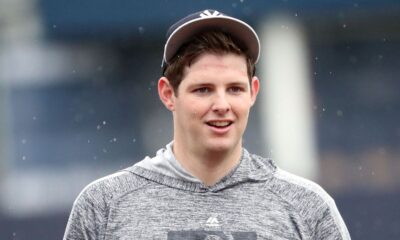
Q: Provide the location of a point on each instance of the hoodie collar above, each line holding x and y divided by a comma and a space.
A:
165, 169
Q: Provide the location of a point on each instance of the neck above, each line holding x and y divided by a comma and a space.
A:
208, 166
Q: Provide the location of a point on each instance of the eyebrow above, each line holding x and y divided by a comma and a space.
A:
238, 83
206, 84
241, 84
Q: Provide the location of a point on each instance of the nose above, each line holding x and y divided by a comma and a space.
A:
221, 104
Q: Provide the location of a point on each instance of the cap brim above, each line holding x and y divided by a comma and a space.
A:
235, 27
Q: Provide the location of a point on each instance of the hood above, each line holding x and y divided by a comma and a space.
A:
166, 170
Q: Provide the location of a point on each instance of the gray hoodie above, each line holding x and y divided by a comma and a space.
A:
157, 199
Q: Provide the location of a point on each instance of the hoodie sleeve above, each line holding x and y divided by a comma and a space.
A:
316, 208
331, 225
88, 216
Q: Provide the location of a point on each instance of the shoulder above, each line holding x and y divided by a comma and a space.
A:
88, 217
289, 187
106, 189
310, 202
304, 196
299, 189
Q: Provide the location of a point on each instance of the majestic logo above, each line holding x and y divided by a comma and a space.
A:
210, 235
207, 13
213, 222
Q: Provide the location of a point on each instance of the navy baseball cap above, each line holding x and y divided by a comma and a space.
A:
182, 31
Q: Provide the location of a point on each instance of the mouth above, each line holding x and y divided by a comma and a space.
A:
219, 124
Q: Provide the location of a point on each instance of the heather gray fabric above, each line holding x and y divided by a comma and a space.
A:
165, 163
158, 199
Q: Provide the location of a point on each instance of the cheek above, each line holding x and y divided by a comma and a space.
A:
191, 110
242, 106
197, 109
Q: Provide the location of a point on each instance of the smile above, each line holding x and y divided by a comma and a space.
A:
219, 124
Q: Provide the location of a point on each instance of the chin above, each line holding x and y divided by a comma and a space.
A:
220, 146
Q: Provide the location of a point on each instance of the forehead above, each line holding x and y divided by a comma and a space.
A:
218, 65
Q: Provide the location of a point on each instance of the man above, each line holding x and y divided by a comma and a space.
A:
204, 184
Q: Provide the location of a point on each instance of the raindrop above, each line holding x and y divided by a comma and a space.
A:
234, 5
23, 141
104, 122
344, 26
98, 127
339, 113
23, 158
134, 140
34, 118
141, 30
54, 26
323, 109
316, 58
296, 15
241, 1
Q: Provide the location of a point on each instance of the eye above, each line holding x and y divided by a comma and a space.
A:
202, 90
235, 89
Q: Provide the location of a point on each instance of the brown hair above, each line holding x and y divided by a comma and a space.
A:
206, 42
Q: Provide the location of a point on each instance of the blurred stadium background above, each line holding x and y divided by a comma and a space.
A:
78, 101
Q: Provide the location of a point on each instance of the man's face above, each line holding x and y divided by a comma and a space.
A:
213, 102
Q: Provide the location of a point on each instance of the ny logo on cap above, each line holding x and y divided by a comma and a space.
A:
207, 13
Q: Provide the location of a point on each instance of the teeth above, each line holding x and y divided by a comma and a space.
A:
220, 123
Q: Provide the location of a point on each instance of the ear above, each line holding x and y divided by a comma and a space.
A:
255, 87
166, 93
